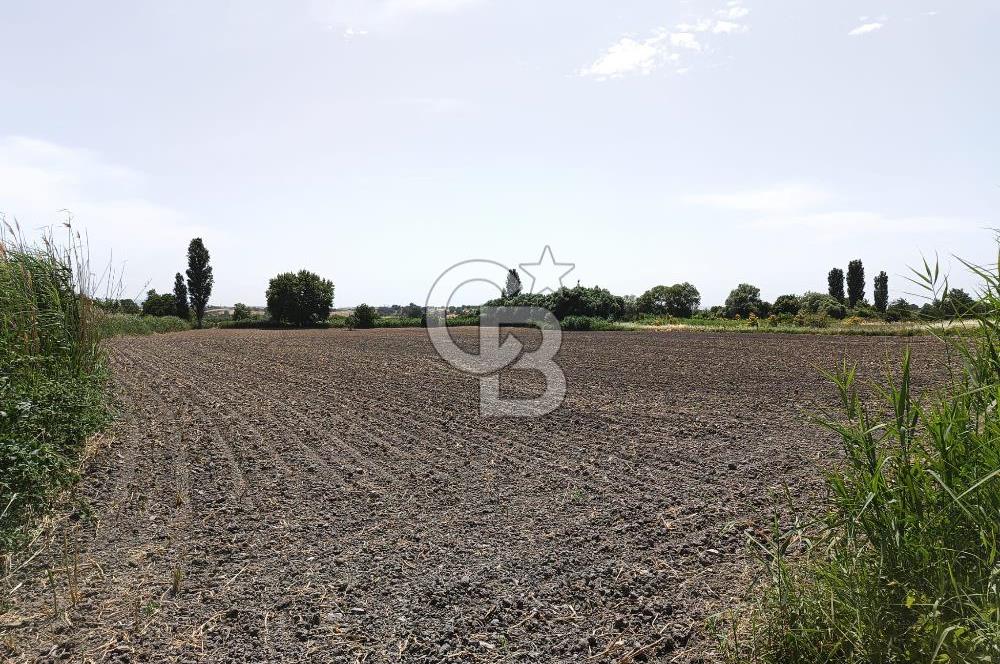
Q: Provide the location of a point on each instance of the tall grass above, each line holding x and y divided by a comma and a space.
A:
52, 372
903, 564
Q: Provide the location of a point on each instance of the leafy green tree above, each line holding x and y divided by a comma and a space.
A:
881, 292
835, 281
744, 300
181, 307
299, 298
199, 278
957, 302
855, 283
900, 310
513, 287
159, 304
412, 310
123, 306
787, 304
679, 300
364, 316
241, 312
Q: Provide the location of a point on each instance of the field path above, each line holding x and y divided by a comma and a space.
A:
334, 496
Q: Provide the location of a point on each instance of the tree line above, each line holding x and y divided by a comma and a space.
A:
305, 298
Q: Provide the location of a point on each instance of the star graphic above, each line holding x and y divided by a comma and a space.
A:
546, 273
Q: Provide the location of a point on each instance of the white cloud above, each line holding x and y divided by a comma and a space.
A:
399, 7
807, 208
41, 181
701, 25
685, 40
632, 56
628, 56
785, 198
865, 28
733, 11
350, 14
840, 222
437, 104
728, 27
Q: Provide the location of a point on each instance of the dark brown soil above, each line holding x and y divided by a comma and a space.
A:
334, 496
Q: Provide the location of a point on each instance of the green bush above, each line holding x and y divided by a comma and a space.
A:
903, 564
587, 324
114, 325
786, 304
822, 304
364, 317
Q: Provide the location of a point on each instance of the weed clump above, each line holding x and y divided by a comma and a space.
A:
904, 564
52, 374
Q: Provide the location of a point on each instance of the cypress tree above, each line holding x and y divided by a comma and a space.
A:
199, 277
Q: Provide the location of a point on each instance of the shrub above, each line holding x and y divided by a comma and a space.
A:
806, 319
902, 565
301, 298
364, 317
586, 324
787, 304
853, 321
900, 310
821, 304
53, 375
115, 325
752, 320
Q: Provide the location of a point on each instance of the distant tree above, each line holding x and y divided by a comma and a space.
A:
364, 316
412, 310
787, 304
299, 298
855, 282
199, 277
835, 280
159, 304
881, 292
124, 306
679, 300
181, 307
743, 300
900, 310
957, 302
513, 287
241, 312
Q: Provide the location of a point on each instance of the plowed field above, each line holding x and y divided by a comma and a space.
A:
334, 496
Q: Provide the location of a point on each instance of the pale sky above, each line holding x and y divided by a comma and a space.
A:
379, 142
